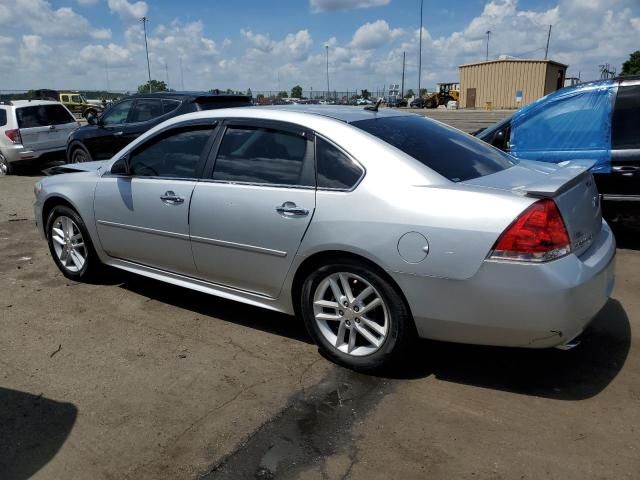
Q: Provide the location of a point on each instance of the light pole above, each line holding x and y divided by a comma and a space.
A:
144, 26
420, 49
488, 34
328, 90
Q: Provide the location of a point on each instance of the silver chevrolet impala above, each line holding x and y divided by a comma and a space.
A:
374, 227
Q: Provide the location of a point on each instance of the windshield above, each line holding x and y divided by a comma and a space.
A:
450, 152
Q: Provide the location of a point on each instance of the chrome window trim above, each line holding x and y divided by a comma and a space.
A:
343, 151
257, 184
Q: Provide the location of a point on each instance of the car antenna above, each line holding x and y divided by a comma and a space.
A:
374, 108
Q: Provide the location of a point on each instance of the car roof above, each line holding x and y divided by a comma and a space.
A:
344, 113
27, 103
188, 94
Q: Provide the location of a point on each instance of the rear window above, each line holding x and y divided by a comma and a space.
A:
43, 116
451, 153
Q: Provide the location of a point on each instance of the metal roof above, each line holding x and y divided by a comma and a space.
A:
513, 60
343, 113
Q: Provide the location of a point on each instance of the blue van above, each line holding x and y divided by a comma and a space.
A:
597, 121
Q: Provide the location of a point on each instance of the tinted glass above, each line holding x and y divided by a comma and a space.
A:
453, 154
145, 110
174, 154
76, 99
3, 117
626, 118
43, 116
335, 169
169, 105
117, 114
262, 155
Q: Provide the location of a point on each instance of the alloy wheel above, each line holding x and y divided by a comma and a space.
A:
68, 244
79, 156
351, 314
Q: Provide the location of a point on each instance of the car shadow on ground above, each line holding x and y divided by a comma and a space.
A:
32, 430
566, 375
576, 374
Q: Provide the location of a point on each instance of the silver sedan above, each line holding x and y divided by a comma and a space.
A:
373, 227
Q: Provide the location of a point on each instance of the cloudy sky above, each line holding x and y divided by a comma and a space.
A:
266, 45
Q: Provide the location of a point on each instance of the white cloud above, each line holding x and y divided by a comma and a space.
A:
294, 46
373, 35
332, 5
111, 55
128, 11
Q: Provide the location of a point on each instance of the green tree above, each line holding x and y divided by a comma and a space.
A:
156, 86
632, 66
409, 93
296, 92
260, 96
423, 92
282, 94
365, 93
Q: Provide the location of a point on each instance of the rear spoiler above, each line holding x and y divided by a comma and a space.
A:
571, 173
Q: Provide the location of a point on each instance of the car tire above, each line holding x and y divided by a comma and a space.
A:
79, 154
430, 104
337, 329
5, 166
88, 112
70, 245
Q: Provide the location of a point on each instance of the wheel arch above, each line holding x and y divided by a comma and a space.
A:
76, 144
325, 257
49, 204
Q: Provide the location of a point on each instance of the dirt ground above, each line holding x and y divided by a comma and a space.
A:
132, 378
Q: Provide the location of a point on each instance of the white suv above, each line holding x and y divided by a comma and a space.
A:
33, 130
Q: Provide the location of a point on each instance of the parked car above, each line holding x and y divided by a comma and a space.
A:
73, 100
417, 103
32, 130
132, 116
597, 120
397, 102
373, 226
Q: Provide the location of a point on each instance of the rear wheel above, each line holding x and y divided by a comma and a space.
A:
5, 166
355, 316
70, 244
80, 155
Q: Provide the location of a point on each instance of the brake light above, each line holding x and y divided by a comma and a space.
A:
537, 235
14, 135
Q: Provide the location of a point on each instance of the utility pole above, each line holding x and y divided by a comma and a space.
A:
166, 73
488, 35
402, 89
546, 50
144, 21
106, 70
328, 90
420, 49
181, 75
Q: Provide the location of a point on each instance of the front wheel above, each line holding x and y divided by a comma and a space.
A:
355, 316
80, 155
70, 244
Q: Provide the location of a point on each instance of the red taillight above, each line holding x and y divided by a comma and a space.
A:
537, 235
14, 135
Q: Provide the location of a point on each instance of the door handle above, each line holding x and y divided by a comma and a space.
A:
117, 134
171, 198
291, 209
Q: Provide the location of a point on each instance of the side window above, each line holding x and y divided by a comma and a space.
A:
173, 154
335, 169
117, 114
626, 118
145, 110
264, 155
3, 117
578, 122
65, 98
169, 106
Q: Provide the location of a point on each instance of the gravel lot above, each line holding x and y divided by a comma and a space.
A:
132, 378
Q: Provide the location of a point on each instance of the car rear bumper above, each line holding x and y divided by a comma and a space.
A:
19, 153
516, 304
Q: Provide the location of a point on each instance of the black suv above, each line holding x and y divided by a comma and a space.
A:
129, 118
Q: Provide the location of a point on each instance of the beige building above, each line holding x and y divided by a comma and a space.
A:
509, 83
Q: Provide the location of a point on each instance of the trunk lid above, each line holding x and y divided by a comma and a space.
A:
569, 184
45, 127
